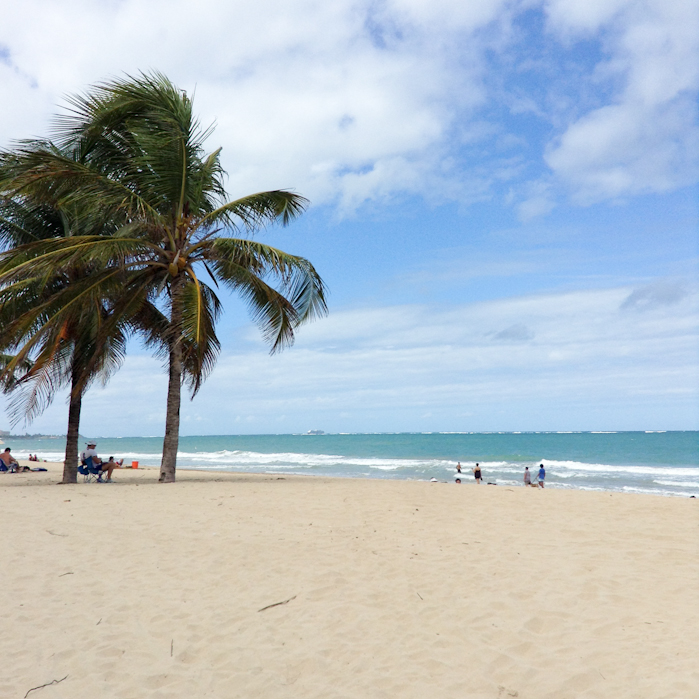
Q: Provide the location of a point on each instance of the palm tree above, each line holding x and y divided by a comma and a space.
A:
54, 319
142, 160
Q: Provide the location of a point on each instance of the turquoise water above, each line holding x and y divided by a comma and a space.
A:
664, 463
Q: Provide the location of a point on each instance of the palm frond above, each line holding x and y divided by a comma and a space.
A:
32, 395
295, 276
79, 252
141, 132
38, 170
200, 345
257, 210
9, 381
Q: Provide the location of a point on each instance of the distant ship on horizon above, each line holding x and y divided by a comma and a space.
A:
315, 432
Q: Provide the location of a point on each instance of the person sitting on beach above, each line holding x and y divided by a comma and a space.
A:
8, 461
542, 475
114, 464
477, 473
91, 453
527, 477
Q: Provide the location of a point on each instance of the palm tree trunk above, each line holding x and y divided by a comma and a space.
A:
70, 465
174, 389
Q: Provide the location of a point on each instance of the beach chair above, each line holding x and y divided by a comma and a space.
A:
91, 473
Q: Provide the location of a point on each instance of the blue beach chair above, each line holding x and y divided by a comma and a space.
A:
91, 472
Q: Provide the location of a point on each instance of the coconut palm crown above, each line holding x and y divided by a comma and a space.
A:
54, 319
132, 151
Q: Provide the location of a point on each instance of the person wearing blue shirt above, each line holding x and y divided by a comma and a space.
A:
542, 475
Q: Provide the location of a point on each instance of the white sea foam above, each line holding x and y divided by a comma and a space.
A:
304, 460
47, 455
648, 491
640, 470
679, 484
568, 474
560, 468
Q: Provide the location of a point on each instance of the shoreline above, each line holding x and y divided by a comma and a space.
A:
56, 469
659, 463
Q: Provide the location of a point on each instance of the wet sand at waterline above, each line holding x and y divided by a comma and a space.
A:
232, 585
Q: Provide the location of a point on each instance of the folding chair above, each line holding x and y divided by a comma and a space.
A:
91, 472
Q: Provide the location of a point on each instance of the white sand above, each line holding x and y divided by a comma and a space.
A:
397, 590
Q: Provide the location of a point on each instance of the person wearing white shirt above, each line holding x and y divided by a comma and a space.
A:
96, 461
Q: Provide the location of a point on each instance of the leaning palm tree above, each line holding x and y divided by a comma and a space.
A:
54, 318
142, 160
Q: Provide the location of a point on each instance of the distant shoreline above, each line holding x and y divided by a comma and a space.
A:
320, 433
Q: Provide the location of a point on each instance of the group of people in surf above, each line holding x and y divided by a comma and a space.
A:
478, 475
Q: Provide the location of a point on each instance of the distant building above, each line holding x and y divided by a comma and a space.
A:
4, 433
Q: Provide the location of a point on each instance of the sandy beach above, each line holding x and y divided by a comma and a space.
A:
227, 585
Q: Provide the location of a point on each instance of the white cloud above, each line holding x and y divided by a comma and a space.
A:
575, 17
303, 93
446, 14
381, 369
538, 201
394, 363
518, 332
656, 295
647, 138
355, 100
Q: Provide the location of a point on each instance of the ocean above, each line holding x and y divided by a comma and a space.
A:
660, 463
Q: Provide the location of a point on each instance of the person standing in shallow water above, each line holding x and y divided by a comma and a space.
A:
527, 477
458, 467
542, 475
477, 473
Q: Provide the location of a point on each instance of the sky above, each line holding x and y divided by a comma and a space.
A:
503, 204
